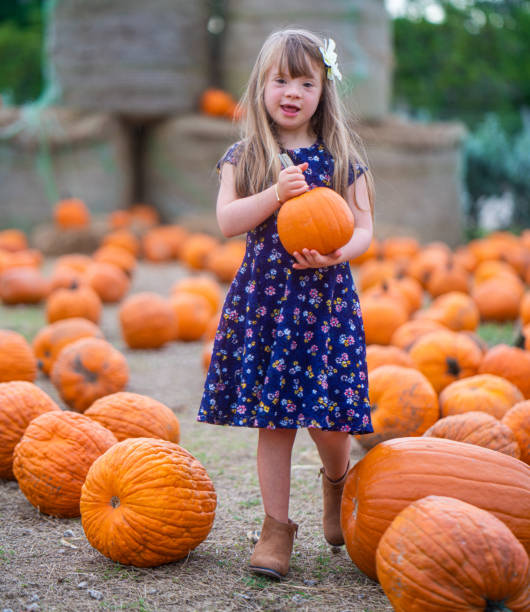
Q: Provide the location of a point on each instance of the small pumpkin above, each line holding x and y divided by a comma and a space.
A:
398, 472
132, 415
518, 420
433, 557
13, 240
455, 310
23, 285
445, 356
20, 403
400, 247
407, 334
118, 256
53, 457
17, 361
76, 301
192, 315
206, 355
317, 219
488, 393
71, 213
51, 339
195, 249
498, 298
225, 260
109, 281
201, 284
378, 355
450, 276
381, 317
135, 519
88, 369
475, 427
124, 239
147, 320
217, 102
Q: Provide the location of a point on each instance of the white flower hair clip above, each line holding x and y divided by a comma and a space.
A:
330, 59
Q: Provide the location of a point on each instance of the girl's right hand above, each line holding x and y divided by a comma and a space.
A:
291, 182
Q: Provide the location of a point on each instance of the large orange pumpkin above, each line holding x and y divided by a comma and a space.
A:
17, 361
132, 415
397, 472
146, 502
88, 369
318, 219
478, 428
52, 459
20, 402
437, 555
52, 338
403, 403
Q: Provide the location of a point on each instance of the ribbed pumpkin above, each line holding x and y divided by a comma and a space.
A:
478, 428
71, 213
146, 502
518, 420
51, 339
88, 369
20, 402
450, 276
202, 285
378, 355
132, 415
437, 555
147, 320
446, 356
511, 363
52, 459
381, 317
403, 403
76, 301
430, 257
485, 392
317, 219
17, 361
397, 472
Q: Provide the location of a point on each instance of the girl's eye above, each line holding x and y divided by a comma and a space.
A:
308, 85
280, 80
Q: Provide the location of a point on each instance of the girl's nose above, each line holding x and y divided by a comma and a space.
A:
293, 90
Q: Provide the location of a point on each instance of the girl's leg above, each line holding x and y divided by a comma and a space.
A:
334, 450
274, 470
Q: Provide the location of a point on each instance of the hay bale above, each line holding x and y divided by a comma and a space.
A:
360, 28
54, 241
179, 164
136, 58
50, 153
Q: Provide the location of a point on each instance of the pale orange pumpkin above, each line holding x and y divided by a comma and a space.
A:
432, 557
476, 427
201, 284
17, 361
53, 457
71, 213
20, 403
192, 315
109, 281
378, 355
407, 334
318, 219
165, 493
508, 362
147, 320
132, 415
76, 301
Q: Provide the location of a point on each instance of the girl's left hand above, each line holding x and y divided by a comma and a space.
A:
310, 258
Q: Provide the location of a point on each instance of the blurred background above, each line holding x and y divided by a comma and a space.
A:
105, 101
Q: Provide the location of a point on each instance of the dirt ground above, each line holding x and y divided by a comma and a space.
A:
47, 564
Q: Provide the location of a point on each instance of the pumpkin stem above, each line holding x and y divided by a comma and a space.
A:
114, 501
452, 366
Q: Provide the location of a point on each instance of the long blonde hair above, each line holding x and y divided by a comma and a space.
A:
258, 167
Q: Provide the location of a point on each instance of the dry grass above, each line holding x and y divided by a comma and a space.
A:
47, 564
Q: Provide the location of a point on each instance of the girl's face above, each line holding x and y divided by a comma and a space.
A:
292, 101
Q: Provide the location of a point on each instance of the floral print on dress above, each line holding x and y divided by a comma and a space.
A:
290, 350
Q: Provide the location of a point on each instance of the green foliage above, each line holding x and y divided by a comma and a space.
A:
21, 41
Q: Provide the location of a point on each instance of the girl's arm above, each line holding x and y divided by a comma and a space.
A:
360, 240
239, 215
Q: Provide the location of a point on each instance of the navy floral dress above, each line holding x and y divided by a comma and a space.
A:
289, 351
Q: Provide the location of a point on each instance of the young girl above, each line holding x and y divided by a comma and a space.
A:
290, 351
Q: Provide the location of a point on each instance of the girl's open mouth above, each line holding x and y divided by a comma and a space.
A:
290, 110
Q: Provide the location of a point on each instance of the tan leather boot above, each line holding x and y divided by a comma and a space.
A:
332, 496
273, 551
